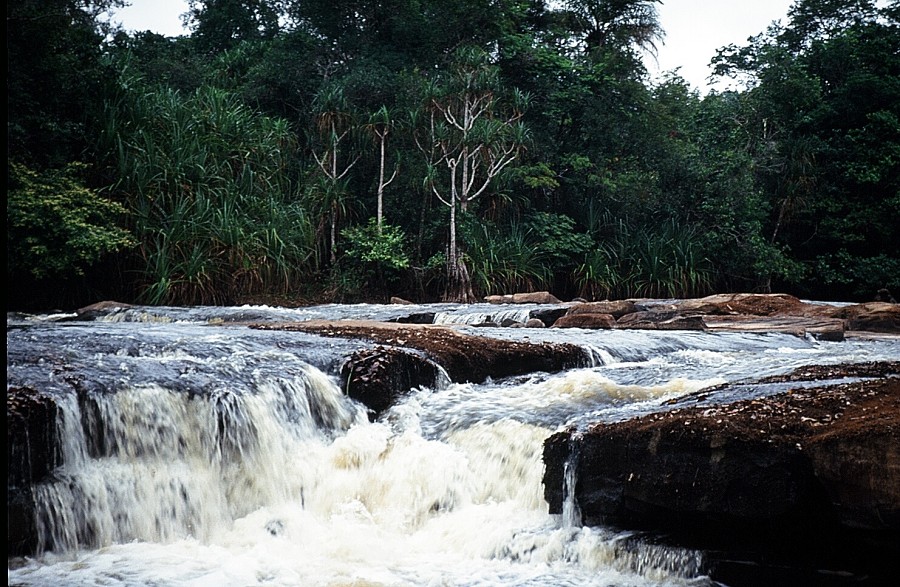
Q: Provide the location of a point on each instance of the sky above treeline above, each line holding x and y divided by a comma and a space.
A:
694, 29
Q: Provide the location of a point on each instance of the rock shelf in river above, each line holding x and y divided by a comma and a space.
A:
740, 312
811, 474
377, 376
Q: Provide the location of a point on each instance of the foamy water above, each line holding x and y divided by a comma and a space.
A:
201, 456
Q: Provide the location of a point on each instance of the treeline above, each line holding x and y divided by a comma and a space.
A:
310, 150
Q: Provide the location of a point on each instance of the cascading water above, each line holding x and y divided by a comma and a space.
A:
571, 514
158, 465
218, 455
489, 315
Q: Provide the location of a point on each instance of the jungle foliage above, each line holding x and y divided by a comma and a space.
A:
298, 151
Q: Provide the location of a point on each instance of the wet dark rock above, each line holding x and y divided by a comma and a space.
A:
808, 479
416, 318
377, 377
548, 315
101, 309
32, 453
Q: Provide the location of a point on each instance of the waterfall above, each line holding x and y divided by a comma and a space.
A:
153, 464
474, 318
571, 513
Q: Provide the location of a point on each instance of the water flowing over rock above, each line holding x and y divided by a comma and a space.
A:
333, 444
377, 377
33, 451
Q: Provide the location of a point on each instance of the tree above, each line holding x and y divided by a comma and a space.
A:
621, 25
822, 119
54, 75
470, 133
211, 188
55, 226
219, 25
333, 123
380, 126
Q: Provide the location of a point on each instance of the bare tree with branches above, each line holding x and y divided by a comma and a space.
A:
467, 131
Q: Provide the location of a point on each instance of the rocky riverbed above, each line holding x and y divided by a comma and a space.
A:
786, 480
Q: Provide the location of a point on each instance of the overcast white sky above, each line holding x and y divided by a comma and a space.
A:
694, 28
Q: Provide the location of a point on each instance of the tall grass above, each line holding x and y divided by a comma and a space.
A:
212, 191
660, 261
505, 260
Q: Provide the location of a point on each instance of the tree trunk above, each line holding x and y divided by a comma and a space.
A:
459, 284
381, 185
333, 234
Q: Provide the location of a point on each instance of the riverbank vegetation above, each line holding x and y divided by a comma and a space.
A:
291, 152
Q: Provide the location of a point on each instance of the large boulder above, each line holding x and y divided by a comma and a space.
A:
616, 309
809, 475
591, 321
548, 315
537, 297
872, 317
376, 377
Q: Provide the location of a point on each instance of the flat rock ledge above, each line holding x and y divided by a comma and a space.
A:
799, 487
738, 312
411, 355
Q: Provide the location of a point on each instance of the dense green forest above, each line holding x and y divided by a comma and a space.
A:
291, 151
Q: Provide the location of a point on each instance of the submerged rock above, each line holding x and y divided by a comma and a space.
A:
809, 475
101, 309
416, 318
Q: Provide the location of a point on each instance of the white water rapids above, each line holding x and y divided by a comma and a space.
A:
207, 454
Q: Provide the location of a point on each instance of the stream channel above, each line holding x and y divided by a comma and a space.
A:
216, 454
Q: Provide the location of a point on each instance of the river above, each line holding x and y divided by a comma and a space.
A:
200, 452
